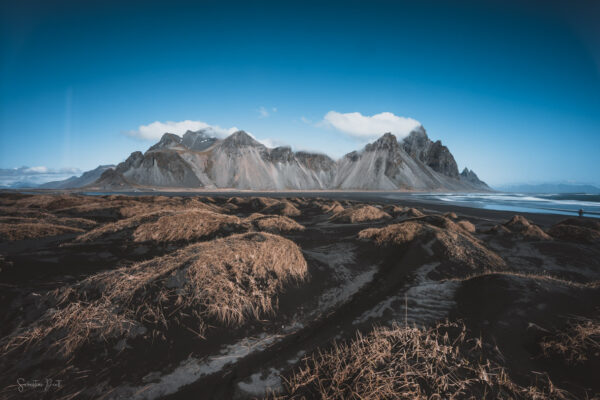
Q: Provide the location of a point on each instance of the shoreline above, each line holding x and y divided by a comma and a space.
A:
540, 218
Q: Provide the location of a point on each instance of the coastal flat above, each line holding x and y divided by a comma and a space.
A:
252, 294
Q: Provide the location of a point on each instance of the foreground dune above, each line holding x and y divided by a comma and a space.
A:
146, 297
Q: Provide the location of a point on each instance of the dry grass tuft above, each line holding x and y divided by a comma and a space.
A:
274, 223
46, 218
162, 203
451, 215
525, 228
52, 202
333, 207
252, 204
122, 229
444, 237
362, 213
412, 213
188, 226
579, 343
409, 363
466, 225
225, 281
284, 208
34, 230
60, 333
577, 230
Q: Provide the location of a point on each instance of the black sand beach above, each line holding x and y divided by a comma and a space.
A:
243, 295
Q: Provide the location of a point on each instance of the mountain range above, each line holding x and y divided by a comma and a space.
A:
200, 160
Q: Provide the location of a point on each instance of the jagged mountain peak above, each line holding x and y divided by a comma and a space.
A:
433, 154
416, 138
199, 140
240, 139
203, 133
167, 141
471, 177
418, 132
387, 141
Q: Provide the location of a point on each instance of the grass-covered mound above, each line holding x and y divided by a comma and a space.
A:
34, 230
188, 226
222, 282
364, 213
404, 362
579, 343
440, 235
273, 223
522, 226
577, 230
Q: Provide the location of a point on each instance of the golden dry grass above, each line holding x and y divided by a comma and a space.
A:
144, 206
121, 229
60, 333
525, 228
81, 223
467, 226
225, 281
363, 213
274, 223
53, 202
188, 226
446, 239
404, 362
252, 203
168, 225
577, 230
579, 342
282, 207
451, 215
34, 230
331, 207
20, 224
412, 213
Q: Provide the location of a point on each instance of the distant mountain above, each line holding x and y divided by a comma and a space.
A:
550, 188
200, 160
75, 182
472, 178
31, 177
433, 154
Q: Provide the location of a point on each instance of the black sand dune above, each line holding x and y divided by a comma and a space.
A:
337, 297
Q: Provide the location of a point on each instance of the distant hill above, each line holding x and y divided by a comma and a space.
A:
550, 188
75, 182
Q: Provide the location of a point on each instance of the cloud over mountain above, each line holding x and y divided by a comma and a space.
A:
364, 126
155, 130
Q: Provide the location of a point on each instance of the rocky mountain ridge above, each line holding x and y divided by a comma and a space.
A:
200, 160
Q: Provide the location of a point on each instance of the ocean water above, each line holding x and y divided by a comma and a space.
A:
560, 203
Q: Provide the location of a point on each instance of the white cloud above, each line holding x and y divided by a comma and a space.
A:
364, 126
155, 130
271, 143
263, 113
305, 120
36, 170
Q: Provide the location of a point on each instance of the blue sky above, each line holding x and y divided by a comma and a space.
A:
512, 88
